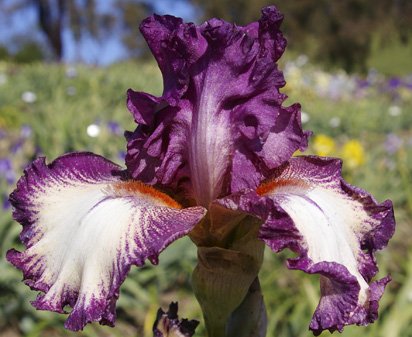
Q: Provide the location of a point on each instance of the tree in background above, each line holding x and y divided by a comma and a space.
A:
131, 14
338, 33
83, 18
54, 16
50, 19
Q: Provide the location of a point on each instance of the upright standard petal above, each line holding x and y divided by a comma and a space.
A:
221, 111
84, 227
334, 227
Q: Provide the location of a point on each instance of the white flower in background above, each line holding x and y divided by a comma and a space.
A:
304, 117
71, 91
341, 86
29, 97
302, 60
293, 74
394, 110
374, 77
334, 122
3, 79
322, 81
93, 130
71, 72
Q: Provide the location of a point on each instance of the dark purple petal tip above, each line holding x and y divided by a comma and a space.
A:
167, 324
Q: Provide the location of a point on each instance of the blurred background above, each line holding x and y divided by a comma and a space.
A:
65, 66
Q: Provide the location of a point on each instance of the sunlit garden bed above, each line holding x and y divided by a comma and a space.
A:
51, 109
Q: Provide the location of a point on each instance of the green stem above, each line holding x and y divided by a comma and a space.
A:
225, 279
249, 319
222, 280
214, 330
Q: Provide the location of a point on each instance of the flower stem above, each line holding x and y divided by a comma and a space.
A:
249, 319
225, 283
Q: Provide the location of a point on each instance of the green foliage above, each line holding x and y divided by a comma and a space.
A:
84, 20
337, 33
391, 56
132, 13
4, 53
68, 99
380, 117
29, 52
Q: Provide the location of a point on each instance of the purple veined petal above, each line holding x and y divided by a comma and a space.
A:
221, 110
334, 227
167, 324
84, 227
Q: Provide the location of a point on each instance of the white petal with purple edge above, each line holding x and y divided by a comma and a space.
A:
329, 223
83, 229
334, 227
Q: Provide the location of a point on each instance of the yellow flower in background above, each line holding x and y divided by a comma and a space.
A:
324, 145
405, 94
353, 154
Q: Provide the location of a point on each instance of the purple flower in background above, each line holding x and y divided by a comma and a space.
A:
211, 158
121, 155
408, 83
25, 131
16, 147
5, 202
393, 143
6, 171
363, 83
394, 83
5, 165
114, 128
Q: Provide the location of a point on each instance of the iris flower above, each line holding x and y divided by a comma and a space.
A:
212, 159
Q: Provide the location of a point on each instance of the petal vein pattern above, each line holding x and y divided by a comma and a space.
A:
334, 227
83, 228
221, 110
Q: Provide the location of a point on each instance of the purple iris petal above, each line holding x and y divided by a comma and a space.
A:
219, 126
167, 324
334, 227
83, 229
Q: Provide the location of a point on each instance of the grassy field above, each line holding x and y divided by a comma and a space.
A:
52, 109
